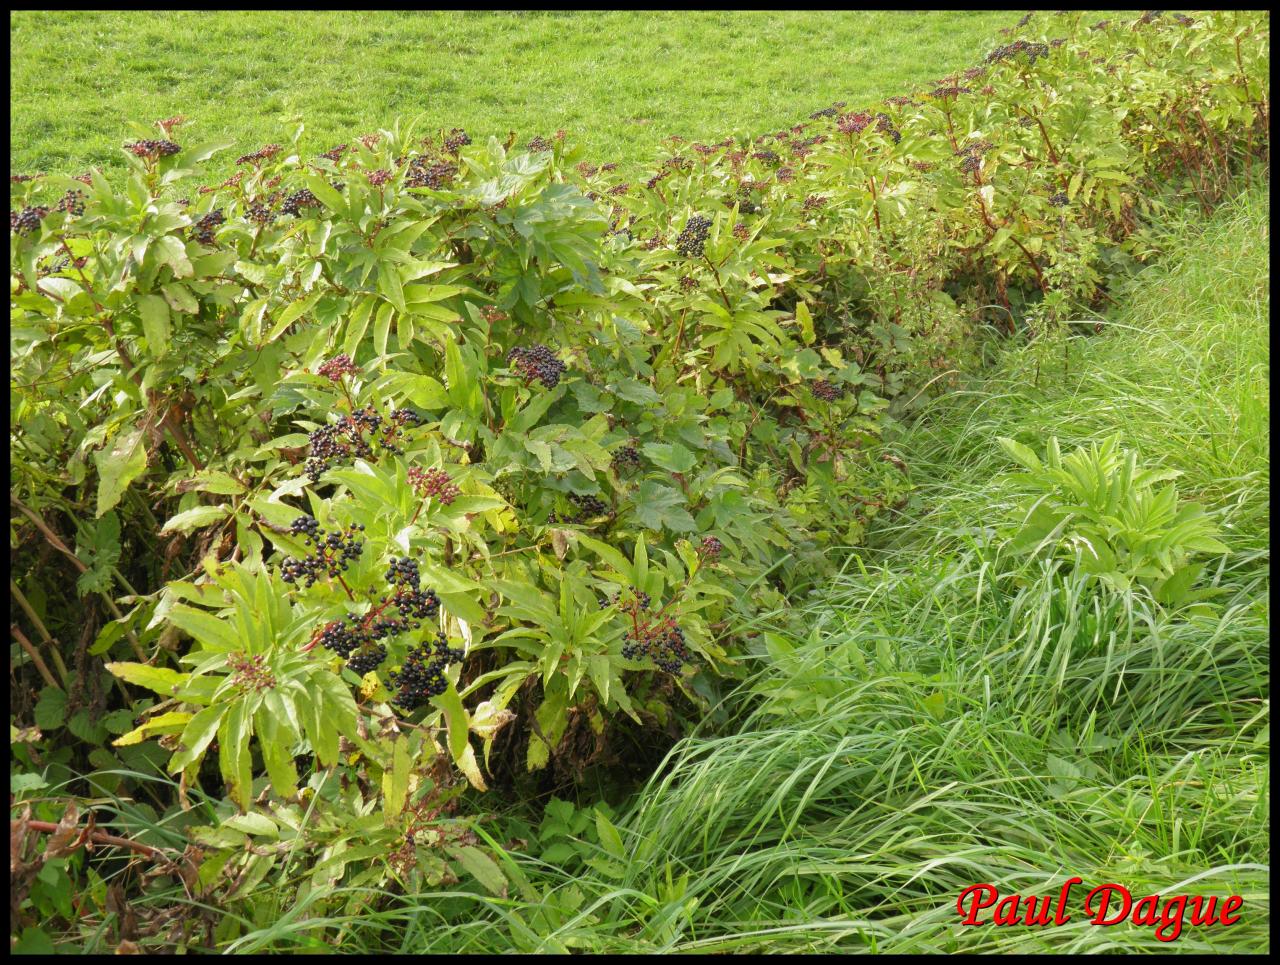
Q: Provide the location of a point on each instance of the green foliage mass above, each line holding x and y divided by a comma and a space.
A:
611, 423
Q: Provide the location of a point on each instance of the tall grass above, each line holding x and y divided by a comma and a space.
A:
942, 725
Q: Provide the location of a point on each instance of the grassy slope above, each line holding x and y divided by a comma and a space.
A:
843, 813
618, 81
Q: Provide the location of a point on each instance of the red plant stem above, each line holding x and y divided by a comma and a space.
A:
33, 653
98, 837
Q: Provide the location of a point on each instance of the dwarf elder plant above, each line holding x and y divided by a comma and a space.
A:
442, 458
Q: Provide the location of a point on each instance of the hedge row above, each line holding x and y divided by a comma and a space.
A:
422, 436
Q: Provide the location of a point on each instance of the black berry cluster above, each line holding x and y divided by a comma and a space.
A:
457, 140
662, 641
710, 548
1059, 200
589, 506
202, 231
26, 220
334, 153
626, 458
260, 214
631, 601
1024, 48
72, 203
403, 572
539, 143
814, 201
435, 176
152, 149
379, 177
537, 362
692, 241
369, 657
884, 124
827, 391
22, 178
944, 93
346, 439
421, 676
295, 202
767, 156
433, 483
331, 553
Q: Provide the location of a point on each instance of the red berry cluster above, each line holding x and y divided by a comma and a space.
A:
710, 548
337, 367
853, 122
433, 483
251, 673
72, 203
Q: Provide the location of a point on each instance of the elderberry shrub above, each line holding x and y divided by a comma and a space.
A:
692, 241
332, 554
537, 362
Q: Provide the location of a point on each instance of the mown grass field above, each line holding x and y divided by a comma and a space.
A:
618, 81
